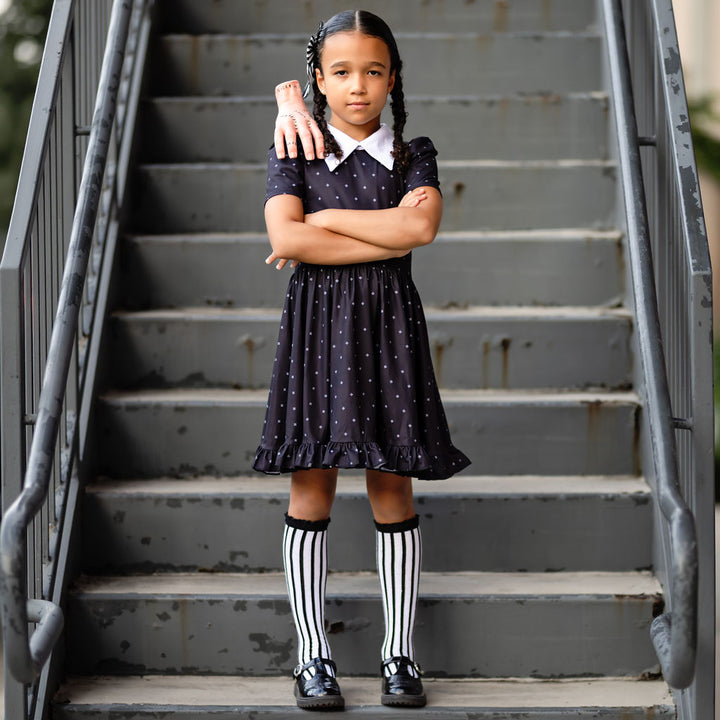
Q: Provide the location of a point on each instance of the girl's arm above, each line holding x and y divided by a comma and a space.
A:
291, 237
413, 223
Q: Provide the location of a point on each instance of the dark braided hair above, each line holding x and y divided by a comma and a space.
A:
368, 24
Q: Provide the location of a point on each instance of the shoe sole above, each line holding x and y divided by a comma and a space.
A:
403, 700
328, 702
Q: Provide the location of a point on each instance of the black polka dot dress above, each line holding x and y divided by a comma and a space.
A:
353, 383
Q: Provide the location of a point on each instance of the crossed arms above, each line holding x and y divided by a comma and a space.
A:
339, 237
342, 237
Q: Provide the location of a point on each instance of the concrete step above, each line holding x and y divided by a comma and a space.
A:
467, 624
477, 347
215, 432
223, 16
519, 523
482, 64
519, 127
228, 698
490, 195
579, 267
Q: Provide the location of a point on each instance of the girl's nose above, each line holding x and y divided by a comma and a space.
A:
358, 85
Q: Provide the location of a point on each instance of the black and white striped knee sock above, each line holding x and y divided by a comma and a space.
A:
399, 556
305, 562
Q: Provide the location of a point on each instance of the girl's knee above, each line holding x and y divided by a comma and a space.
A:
311, 494
390, 496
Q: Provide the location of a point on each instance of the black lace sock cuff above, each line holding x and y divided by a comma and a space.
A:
410, 524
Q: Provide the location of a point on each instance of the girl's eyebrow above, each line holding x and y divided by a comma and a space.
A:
372, 63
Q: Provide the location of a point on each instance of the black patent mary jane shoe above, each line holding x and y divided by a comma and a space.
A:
317, 690
402, 688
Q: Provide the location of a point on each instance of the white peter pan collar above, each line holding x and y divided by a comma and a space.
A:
379, 146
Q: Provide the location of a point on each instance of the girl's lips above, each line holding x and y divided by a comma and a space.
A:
358, 106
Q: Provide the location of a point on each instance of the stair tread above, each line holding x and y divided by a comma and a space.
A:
399, 35
489, 163
463, 485
482, 97
234, 691
568, 234
528, 585
190, 396
534, 312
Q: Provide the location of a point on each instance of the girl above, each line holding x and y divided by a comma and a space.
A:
352, 383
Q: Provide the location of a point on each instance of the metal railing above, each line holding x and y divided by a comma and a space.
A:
54, 278
672, 288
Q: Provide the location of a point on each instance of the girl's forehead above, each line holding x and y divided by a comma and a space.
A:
354, 45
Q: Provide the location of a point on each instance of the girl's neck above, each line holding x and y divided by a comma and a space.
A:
357, 132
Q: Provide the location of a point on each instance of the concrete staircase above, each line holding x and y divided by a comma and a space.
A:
538, 589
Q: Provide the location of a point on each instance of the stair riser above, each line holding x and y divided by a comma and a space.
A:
501, 352
134, 533
528, 128
253, 65
176, 272
468, 636
155, 439
81, 712
229, 198
222, 16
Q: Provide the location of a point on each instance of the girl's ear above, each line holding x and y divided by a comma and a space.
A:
320, 80
391, 82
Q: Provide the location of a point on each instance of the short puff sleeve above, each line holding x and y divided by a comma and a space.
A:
422, 171
285, 177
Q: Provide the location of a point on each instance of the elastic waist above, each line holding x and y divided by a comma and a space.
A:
401, 264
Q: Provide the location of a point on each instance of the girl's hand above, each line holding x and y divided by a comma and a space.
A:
293, 121
413, 198
281, 262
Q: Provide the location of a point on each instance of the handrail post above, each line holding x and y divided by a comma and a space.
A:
674, 635
24, 659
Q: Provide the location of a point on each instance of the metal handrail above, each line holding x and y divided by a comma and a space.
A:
674, 634
24, 655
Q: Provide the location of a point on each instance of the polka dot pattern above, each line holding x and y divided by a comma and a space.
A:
353, 383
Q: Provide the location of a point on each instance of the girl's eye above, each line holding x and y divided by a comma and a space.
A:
374, 72
341, 72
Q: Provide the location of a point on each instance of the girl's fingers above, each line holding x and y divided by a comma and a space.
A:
414, 198
282, 262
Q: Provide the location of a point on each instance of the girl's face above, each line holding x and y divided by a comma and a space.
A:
356, 79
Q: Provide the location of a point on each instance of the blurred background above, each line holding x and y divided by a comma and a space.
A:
23, 24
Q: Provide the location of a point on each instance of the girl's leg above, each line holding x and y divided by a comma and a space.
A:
312, 493
399, 555
305, 562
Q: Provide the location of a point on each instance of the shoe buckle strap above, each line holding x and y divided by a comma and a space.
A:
300, 669
402, 660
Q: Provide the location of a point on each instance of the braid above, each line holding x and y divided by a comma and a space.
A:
319, 105
369, 24
401, 149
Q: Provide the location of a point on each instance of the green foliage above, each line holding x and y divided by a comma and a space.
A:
707, 144
22, 34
